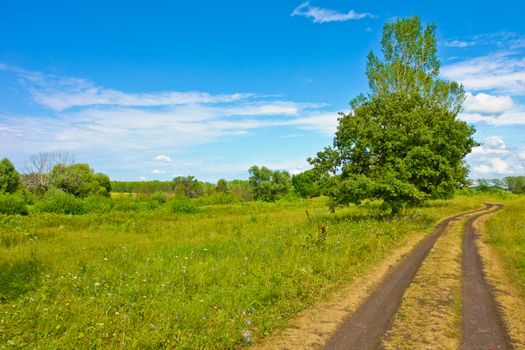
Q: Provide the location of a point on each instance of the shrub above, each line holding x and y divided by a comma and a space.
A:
96, 204
218, 198
57, 201
183, 206
12, 204
160, 197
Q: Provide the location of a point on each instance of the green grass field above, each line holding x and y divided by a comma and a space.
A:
222, 277
507, 234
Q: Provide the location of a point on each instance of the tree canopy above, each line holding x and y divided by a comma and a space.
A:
402, 143
79, 180
269, 185
9, 177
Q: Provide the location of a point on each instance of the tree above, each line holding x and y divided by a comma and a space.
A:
402, 143
515, 184
37, 169
269, 185
187, 186
306, 184
9, 177
79, 180
222, 186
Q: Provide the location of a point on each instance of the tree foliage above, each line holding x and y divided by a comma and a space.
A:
188, 186
515, 184
37, 169
269, 185
410, 66
306, 184
79, 180
9, 177
402, 143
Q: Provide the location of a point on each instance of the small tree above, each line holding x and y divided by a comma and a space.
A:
269, 185
403, 142
9, 177
37, 169
306, 184
222, 186
515, 184
79, 180
187, 186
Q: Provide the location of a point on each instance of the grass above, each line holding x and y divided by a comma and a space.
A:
502, 249
219, 277
507, 234
430, 314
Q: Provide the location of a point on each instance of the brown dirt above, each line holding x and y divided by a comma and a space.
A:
430, 314
508, 295
313, 327
483, 326
366, 327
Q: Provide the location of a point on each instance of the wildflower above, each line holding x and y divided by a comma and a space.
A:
248, 322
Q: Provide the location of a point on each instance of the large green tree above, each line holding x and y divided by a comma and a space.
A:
401, 143
9, 177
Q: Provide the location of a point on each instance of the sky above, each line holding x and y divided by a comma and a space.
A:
144, 90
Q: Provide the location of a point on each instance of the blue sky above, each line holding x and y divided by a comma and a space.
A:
151, 90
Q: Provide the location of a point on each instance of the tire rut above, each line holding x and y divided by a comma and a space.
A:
482, 324
367, 326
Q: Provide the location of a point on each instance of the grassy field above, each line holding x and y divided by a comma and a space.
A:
506, 230
221, 277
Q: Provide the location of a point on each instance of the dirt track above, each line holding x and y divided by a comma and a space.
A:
482, 325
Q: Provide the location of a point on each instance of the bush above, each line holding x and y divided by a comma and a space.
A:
96, 204
160, 197
183, 206
218, 198
57, 201
129, 204
12, 204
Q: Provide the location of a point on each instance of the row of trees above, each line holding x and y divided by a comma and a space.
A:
513, 184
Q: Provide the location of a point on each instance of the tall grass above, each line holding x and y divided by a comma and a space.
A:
220, 277
506, 230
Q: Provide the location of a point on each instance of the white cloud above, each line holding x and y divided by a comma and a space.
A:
157, 171
495, 159
458, 43
163, 158
513, 117
491, 145
487, 104
503, 40
322, 15
61, 93
500, 72
496, 166
326, 122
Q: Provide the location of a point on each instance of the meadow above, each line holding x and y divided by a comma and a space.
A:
160, 273
506, 231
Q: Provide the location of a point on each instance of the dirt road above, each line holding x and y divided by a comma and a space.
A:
482, 325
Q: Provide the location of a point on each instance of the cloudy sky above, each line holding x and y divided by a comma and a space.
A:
151, 90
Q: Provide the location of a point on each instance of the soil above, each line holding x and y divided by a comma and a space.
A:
367, 326
482, 326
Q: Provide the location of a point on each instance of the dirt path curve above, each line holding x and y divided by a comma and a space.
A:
482, 326
366, 327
